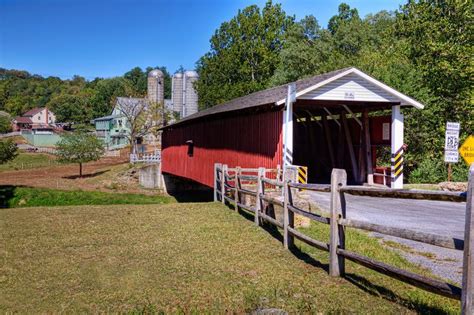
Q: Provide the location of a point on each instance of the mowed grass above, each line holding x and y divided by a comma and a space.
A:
12, 196
180, 258
28, 161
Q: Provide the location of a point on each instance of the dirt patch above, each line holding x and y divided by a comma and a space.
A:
111, 173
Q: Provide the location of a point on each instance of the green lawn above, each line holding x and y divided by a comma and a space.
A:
28, 161
12, 197
176, 258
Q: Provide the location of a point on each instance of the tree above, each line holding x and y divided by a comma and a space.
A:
79, 147
69, 108
345, 15
8, 151
441, 36
138, 80
5, 123
142, 118
244, 54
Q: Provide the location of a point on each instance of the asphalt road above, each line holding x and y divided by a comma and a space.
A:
439, 217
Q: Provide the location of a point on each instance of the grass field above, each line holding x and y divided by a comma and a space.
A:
183, 258
28, 161
12, 197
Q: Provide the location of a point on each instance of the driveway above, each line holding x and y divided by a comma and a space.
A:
439, 217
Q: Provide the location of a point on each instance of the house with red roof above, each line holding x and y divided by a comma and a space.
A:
40, 118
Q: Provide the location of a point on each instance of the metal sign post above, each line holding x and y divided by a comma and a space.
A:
451, 144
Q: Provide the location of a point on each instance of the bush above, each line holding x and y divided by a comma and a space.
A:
460, 171
432, 171
429, 171
5, 124
8, 151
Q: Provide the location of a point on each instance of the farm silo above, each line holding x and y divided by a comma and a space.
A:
190, 96
177, 92
156, 86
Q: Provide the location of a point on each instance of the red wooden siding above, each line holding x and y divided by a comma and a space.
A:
252, 140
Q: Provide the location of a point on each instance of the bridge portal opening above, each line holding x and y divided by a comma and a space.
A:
354, 136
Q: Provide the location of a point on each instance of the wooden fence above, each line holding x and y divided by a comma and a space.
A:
231, 184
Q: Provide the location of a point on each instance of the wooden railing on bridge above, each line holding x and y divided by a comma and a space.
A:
228, 188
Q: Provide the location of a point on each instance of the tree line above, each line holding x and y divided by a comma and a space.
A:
424, 49
75, 100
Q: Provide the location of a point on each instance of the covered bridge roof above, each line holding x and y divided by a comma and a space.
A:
277, 95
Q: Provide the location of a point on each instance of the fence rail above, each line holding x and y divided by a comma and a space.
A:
228, 188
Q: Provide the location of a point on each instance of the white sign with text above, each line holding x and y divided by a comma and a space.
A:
451, 144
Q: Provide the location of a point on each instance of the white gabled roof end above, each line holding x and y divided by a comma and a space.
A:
406, 100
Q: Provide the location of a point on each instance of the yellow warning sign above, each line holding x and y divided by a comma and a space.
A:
302, 174
467, 150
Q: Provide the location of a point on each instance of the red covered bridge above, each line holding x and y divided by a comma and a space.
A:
343, 119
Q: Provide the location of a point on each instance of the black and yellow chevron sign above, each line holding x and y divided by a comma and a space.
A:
397, 164
302, 174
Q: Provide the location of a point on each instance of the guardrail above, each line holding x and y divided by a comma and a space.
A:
228, 188
145, 158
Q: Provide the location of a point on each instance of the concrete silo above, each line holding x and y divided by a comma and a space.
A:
190, 97
177, 92
156, 85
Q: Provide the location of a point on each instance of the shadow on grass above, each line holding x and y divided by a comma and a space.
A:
387, 294
86, 175
7, 192
359, 281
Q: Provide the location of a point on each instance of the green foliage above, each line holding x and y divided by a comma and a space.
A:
69, 108
75, 100
36, 197
345, 15
79, 147
8, 150
432, 171
429, 171
439, 38
244, 54
5, 123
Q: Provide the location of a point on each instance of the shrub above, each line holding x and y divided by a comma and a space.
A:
5, 124
429, 171
432, 171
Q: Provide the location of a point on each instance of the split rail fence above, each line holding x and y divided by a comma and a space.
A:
231, 184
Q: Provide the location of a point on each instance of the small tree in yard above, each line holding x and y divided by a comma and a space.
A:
8, 151
79, 147
143, 118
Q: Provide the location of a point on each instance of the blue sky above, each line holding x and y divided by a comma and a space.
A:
105, 38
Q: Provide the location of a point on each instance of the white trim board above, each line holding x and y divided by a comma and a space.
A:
368, 89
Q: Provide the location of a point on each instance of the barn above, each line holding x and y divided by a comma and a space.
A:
344, 119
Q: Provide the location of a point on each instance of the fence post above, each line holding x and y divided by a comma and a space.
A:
223, 181
218, 168
237, 187
468, 260
277, 177
336, 262
215, 181
258, 202
288, 216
